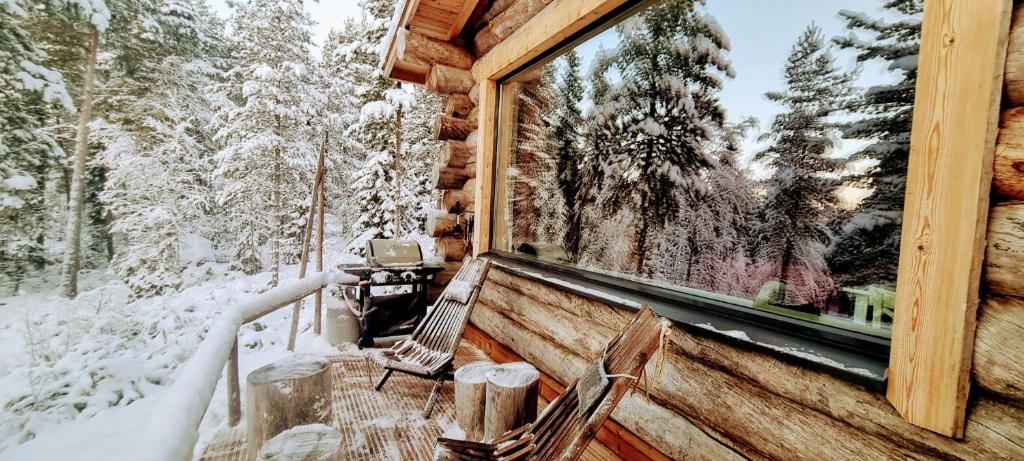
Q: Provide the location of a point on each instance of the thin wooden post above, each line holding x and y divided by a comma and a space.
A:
320, 256
398, 170
234, 396
304, 261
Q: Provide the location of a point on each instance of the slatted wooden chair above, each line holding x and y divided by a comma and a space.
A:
430, 350
564, 429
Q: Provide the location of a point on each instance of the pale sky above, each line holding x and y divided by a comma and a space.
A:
328, 14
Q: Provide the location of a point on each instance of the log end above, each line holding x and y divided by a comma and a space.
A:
293, 366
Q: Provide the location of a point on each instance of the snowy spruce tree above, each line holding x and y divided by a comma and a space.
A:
866, 247
373, 182
127, 35
566, 128
159, 156
388, 186
343, 105
801, 192
29, 92
659, 117
269, 128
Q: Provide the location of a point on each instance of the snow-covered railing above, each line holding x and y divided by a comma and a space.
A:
172, 430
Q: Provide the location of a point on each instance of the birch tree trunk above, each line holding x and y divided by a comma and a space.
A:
73, 230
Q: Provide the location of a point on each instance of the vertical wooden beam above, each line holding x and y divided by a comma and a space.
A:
505, 134
484, 167
318, 311
955, 120
234, 394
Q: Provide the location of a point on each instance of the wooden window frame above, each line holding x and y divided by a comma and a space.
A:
948, 181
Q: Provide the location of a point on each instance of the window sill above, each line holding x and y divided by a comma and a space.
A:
859, 359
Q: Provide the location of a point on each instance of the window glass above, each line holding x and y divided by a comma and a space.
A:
732, 149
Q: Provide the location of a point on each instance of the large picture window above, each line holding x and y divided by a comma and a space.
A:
732, 149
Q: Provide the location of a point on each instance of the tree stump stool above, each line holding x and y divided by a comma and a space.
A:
310, 442
471, 398
293, 391
511, 398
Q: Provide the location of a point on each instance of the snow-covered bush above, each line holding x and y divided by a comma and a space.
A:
104, 350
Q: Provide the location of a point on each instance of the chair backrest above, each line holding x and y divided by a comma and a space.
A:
443, 326
562, 431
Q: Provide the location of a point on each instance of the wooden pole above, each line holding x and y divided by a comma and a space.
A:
398, 172
317, 319
296, 308
234, 394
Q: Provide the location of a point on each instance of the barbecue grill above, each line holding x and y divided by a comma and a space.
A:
390, 263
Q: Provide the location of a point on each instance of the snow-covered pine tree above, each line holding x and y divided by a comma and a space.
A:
801, 196
373, 183
866, 247
29, 93
343, 92
661, 113
419, 156
385, 111
566, 129
269, 130
159, 157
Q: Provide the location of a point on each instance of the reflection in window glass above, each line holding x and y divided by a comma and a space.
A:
729, 149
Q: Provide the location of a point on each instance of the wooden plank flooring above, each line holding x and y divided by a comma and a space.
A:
384, 425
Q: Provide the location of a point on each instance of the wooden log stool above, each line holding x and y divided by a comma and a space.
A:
291, 392
511, 398
310, 442
471, 398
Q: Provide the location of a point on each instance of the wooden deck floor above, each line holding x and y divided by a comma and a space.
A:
384, 425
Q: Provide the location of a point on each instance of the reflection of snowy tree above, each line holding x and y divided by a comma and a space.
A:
566, 126
801, 197
866, 249
609, 241
713, 230
538, 212
660, 113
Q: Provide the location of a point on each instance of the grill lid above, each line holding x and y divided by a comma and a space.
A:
393, 253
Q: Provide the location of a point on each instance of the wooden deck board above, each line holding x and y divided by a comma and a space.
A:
384, 425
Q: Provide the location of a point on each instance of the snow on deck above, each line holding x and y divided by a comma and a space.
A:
385, 425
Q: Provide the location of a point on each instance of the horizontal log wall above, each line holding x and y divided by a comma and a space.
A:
716, 401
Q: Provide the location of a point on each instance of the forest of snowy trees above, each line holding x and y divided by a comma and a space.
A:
636, 167
151, 136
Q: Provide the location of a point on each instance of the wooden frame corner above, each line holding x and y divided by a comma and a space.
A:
963, 48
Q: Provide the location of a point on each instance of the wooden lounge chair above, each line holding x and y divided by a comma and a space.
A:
430, 350
563, 431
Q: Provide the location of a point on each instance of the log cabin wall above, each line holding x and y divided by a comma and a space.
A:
445, 67
718, 399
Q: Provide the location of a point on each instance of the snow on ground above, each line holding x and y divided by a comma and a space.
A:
77, 377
